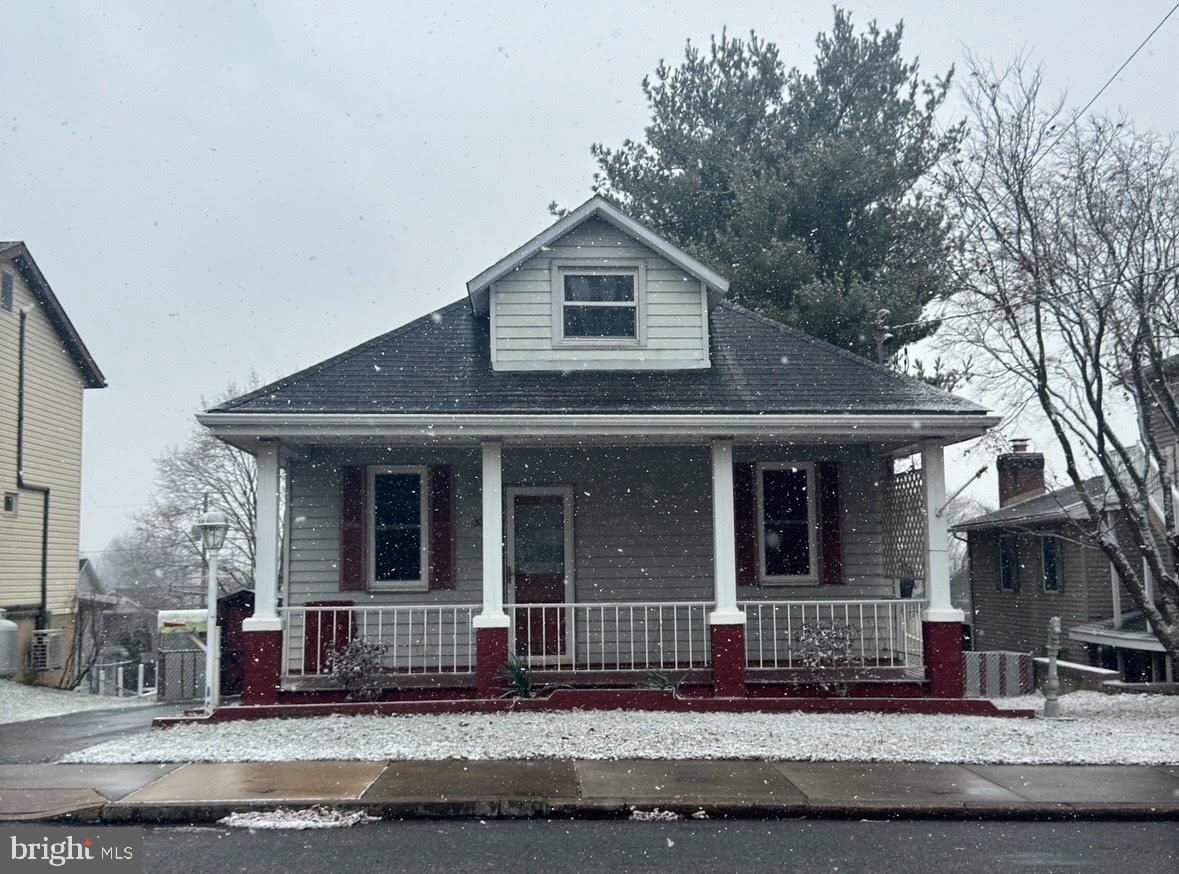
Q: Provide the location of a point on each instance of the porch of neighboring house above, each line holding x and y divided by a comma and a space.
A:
720, 569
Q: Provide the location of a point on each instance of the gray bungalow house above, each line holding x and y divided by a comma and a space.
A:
596, 465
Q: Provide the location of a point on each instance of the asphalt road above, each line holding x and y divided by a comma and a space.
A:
614, 846
47, 740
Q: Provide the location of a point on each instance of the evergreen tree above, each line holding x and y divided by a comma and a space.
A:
808, 190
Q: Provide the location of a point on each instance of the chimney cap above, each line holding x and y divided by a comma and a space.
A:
1020, 444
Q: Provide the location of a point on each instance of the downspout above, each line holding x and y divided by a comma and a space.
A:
42, 609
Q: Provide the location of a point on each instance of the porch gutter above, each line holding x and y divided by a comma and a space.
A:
668, 427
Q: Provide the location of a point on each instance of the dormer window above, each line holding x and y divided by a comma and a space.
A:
600, 306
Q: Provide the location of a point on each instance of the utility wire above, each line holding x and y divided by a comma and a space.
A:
1013, 304
1043, 155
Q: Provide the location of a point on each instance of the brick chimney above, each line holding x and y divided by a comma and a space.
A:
1021, 473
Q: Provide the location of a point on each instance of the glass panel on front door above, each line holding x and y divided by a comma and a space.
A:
538, 575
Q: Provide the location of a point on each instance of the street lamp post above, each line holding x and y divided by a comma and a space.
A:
213, 528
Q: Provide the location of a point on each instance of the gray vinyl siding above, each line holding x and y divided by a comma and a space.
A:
642, 521
522, 308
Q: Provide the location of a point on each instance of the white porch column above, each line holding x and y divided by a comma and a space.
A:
265, 616
937, 556
724, 547
493, 615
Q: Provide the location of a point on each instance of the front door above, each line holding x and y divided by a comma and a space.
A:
540, 571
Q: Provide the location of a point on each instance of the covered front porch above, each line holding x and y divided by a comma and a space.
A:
759, 565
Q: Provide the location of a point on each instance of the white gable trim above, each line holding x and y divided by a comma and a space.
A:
478, 287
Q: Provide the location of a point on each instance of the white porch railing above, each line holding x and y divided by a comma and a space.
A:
854, 634
615, 636
415, 639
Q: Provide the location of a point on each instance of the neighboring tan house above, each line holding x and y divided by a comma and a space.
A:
1034, 558
45, 371
597, 465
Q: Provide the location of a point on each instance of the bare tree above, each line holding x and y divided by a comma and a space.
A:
1069, 293
163, 557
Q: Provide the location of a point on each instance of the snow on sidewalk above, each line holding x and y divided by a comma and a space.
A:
1102, 729
21, 703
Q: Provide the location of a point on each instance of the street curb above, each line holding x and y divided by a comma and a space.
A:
565, 808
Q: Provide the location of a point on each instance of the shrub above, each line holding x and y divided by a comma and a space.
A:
357, 666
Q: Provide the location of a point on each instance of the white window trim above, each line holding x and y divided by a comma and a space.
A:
423, 583
602, 267
1044, 565
812, 525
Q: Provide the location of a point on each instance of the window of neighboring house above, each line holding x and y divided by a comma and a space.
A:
10, 502
6, 301
1008, 563
599, 305
1048, 558
786, 522
397, 541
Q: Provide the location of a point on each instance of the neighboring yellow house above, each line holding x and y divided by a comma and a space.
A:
44, 371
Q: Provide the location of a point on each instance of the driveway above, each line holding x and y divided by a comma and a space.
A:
47, 740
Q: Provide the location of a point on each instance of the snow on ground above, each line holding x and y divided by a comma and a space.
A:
21, 703
1099, 729
310, 817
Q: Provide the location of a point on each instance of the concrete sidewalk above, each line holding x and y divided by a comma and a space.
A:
205, 792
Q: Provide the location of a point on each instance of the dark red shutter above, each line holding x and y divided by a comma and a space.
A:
441, 526
745, 522
353, 536
830, 525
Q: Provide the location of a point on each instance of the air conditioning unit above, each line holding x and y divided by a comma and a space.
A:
47, 651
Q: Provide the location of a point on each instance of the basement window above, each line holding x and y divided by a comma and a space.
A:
598, 305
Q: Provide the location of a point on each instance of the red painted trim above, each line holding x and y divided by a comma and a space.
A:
943, 659
728, 660
830, 525
491, 657
442, 527
353, 537
262, 671
637, 700
745, 522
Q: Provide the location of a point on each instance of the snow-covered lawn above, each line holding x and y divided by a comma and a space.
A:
1101, 729
20, 703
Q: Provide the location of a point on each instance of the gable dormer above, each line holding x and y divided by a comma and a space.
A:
597, 291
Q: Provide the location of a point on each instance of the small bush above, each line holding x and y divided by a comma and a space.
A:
358, 666
824, 646
519, 678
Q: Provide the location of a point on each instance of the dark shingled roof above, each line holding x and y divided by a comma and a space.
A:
1062, 505
18, 253
440, 364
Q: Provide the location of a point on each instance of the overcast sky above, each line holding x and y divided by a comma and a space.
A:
220, 188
